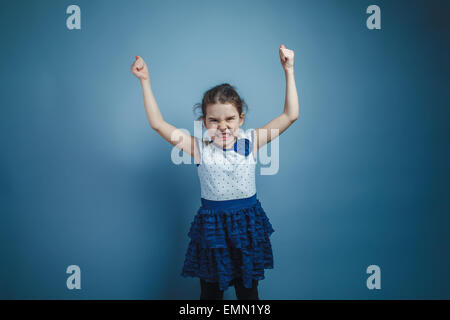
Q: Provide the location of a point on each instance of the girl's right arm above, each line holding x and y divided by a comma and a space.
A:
173, 135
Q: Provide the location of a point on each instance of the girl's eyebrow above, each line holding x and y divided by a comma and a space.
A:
227, 117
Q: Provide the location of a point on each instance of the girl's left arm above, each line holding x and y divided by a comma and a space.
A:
278, 125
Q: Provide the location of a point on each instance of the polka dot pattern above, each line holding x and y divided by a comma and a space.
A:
226, 174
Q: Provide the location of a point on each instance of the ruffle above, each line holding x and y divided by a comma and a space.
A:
228, 243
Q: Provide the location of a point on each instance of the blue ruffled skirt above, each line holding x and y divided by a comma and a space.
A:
229, 239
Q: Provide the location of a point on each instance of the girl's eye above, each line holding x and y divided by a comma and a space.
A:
212, 120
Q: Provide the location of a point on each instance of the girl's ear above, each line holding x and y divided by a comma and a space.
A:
204, 121
242, 117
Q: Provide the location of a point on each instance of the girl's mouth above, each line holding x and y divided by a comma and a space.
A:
225, 136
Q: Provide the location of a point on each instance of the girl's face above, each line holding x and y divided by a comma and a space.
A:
222, 122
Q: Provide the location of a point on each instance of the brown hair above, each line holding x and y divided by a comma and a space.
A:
223, 93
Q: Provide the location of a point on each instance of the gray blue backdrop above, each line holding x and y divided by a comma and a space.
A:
364, 172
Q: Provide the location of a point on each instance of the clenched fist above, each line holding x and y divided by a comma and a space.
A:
139, 69
286, 58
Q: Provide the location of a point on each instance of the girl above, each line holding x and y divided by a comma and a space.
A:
230, 234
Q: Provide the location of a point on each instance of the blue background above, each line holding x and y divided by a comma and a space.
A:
364, 172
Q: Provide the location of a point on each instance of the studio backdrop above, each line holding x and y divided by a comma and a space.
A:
358, 200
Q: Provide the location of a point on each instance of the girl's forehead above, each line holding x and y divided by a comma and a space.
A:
217, 110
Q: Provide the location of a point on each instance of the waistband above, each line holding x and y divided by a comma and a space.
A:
233, 203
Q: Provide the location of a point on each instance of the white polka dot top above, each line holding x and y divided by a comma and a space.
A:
227, 174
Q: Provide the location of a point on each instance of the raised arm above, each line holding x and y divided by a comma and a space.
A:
173, 135
290, 113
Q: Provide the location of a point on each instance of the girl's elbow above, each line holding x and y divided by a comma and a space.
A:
156, 125
293, 118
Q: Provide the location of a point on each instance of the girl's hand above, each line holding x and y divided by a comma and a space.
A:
139, 69
286, 58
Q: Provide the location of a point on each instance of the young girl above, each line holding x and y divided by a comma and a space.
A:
230, 234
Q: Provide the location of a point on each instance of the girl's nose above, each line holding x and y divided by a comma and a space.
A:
222, 126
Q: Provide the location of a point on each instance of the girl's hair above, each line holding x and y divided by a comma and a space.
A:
223, 93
